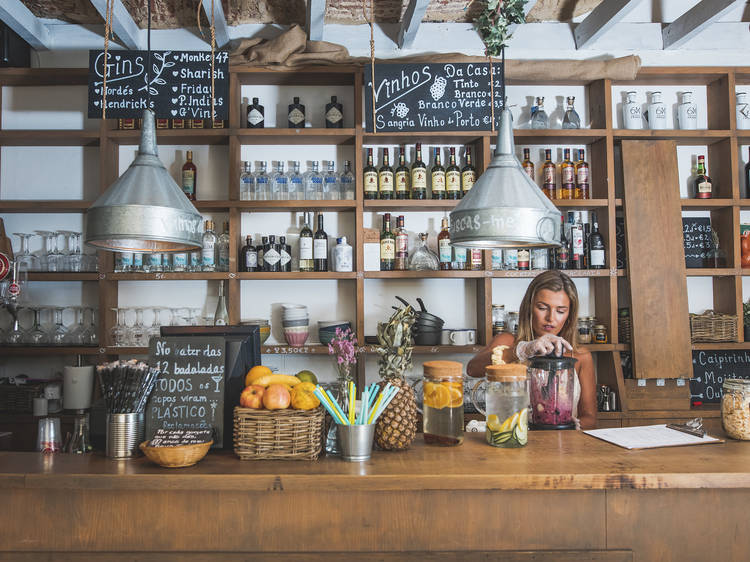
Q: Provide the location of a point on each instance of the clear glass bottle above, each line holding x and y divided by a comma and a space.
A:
423, 259
539, 118
687, 112
331, 183
402, 245
632, 117
314, 183
571, 119
742, 111
208, 251
296, 183
279, 183
342, 255
222, 249
346, 182
443, 403
221, 316
262, 189
657, 112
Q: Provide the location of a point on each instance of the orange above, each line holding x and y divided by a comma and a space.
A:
255, 373
457, 396
436, 395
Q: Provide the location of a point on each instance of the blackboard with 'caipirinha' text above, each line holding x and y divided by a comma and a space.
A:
179, 83
698, 242
432, 96
189, 391
712, 367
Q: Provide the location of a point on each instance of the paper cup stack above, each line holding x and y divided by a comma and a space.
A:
295, 321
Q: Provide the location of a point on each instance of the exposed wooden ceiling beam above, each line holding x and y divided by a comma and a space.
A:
316, 12
410, 24
122, 23
695, 20
602, 19
220, 21
20, 19
526, 9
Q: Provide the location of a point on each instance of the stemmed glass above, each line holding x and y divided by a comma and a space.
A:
74, 258
26, 259
138, 333
49, 252
154, 331
90, 334
59, 333
16, 336
119, 331
37, 336
75, 335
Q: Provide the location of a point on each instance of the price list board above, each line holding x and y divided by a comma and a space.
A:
711, 368
698, 241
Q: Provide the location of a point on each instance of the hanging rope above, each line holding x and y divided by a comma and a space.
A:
372, 53
107, 33
492, 94
148, 62
213, 52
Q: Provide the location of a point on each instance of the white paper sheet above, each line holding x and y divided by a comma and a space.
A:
649, 437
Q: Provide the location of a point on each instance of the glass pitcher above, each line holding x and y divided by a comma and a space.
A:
443, 403
507, 401
552, 382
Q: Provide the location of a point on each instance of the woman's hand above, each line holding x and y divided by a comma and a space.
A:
543, 345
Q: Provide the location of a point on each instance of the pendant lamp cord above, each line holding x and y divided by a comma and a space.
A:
148, 59
213, 53
371, 21
107, 33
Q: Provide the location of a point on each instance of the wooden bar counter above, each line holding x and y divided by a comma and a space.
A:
566, 496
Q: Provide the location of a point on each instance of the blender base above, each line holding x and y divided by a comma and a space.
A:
537, 427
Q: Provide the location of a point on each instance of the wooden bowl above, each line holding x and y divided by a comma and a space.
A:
176, 457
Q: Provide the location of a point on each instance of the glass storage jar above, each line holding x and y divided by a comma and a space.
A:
584, 330
507, 402
498, 319
599, 334
735, 408
443, 403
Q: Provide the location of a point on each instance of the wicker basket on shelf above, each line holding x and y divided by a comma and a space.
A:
278, 434
19, 399
176, 457
713, 327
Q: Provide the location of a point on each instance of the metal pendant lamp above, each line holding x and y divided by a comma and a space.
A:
144, 210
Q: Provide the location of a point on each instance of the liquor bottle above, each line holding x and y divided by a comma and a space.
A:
261, 252
583, 189
189, 177
475, 261
524, 259
742, 111
567, 176
222, 251
459, 259
285, 255
342, 256
596, 246
221, 316
632, 118
387, 245
208, 250
452, 177
272, 258
437, 174
296, 115
402, 245
418, 176
562, 258
571, 119
331, 183
468, 174
703, 186
656, 114
262, 188
314, 183
444, 246
539, 118
279, 183
401, 178
346, 182
255, 115
576, 235
370, 178
296, 183
179, 262
528, 165
320, 247
586, 254
747, 178
248, 256
334, 114
306, 245
687, 112
268, 257
247, 183
385, 177
549, 173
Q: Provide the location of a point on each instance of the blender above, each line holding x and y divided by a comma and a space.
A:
78, 386
552, 389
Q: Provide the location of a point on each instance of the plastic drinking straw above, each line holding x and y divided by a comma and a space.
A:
375, 409
362, 408
327, 405
337, 407
386, 401
352, 393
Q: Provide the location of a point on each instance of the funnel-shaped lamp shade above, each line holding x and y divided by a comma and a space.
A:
505, 209
144, 210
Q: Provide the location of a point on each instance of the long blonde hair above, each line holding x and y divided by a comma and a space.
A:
551, 280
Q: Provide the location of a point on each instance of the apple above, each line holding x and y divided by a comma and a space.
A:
252, 397
276, 397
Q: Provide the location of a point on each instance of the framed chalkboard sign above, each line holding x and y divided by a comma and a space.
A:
432, 97
179, 83
712, 368
698, 241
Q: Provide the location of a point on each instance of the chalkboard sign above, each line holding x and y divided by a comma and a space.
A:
179, 83
711, 368
180, 437
189, 393
432, 96
698, 242
620, 242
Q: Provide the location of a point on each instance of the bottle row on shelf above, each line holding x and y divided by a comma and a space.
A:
281, 186
574, 176
131, 123
256, 114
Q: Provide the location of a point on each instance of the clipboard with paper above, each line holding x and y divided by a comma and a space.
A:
650, 437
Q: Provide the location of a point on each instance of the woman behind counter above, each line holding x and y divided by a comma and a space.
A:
547, 322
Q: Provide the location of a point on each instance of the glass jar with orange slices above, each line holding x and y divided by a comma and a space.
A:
443, 403
507, 401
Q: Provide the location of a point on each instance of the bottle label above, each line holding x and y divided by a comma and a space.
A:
402, 245
523, 257
476, 259
154, 260
453, 180
254, 117
467, 180
549, 175
138, 261
582, 175
305, 248
207, 255
224, 258
385, 181
444, 250
179, 261
511, 258
568, 175
195, 259
188, 181
577, 235
597, 258
251, 260
419, 179
284, 257
371, 182
402, 181
334, 115
438, 181
320, 249
296, 116
529, 169
497, 259
343, 257
387, 249
704, 187
459, 255
271, 257
126, 259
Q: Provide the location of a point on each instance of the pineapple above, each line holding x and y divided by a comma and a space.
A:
396, 428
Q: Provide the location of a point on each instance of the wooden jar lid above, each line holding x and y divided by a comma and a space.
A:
443, 369
510, 372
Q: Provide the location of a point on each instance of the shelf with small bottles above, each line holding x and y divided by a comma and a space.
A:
294, 275
681, 137
173, 136
166, 276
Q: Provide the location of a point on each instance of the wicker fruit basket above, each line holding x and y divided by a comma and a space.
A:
713, 327
176, 457
278, 434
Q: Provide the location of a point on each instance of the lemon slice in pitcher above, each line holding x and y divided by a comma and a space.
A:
521, 432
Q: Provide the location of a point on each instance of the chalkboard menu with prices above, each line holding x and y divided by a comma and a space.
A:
712, 368
180, 437
698, 242
189, 393
179, 83
432, 97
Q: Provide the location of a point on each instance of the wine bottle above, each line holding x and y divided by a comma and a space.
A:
306, 245
387, 245
320, 247
418, 176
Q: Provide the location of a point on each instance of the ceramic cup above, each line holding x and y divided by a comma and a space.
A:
445, 337
463, 337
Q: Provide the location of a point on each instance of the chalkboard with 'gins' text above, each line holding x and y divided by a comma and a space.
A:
179, 83
189, 392
432, 97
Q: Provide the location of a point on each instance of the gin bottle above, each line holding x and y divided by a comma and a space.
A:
342, 255
247, 183
539, 118
208, 251
346, 181
314, 183
262, 188
571, 120
222, 251
657, 113
687, 112
331, 183
742, 111
334, 114
255, 115
279, 183
285, 255
632, 117
296, 183
296, 115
